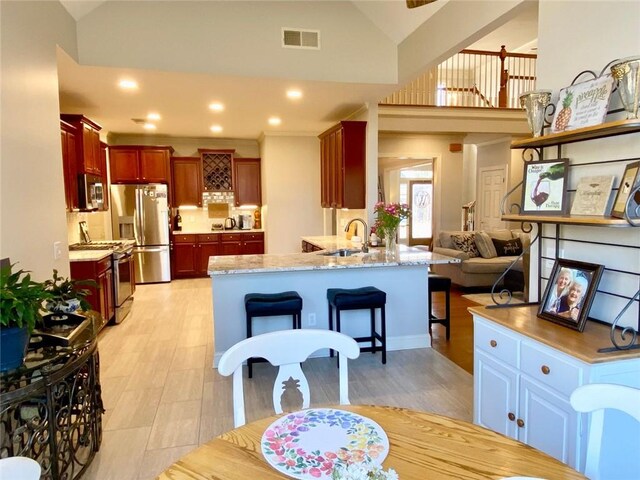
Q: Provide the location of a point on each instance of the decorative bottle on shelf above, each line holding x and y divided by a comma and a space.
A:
177, 221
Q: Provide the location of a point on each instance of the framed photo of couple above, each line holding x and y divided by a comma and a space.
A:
570, 292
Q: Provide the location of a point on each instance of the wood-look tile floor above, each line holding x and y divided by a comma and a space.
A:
163, 398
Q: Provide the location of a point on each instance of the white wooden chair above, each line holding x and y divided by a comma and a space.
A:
286, 349
594, 399
19, 468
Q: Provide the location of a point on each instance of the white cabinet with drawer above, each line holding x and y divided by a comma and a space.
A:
522, 384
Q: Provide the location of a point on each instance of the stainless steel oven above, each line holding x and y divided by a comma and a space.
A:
124, 281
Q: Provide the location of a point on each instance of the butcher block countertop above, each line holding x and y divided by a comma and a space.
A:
582, 345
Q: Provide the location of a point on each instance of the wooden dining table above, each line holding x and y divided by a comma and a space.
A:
422, 446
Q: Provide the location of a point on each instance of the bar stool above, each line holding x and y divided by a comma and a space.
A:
438, 283
270, 305
358, 299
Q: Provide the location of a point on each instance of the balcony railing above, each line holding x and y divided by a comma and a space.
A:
472, 78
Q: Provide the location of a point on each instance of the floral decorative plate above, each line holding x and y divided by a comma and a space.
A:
310, 443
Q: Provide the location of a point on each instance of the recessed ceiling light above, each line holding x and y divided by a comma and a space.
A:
294, 94
274, 121
128, 84
149, 126
216, 128
153, 116
216, 107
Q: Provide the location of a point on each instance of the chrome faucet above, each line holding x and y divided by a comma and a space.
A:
365, 243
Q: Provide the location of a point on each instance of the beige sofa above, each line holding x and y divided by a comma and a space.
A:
479, 271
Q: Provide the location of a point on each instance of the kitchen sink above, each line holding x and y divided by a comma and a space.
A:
343, 252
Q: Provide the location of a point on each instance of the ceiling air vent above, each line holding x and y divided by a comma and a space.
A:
299, 38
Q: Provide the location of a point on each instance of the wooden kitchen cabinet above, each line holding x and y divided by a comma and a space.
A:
217, 169
186, 181
105, 179
252, 243
246, 181
68, 141
231, 244
101, 297
343, 165
208, 245
191, 254
140, 164
184, 261
88, 158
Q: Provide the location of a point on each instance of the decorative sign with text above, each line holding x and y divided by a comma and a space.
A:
592, 195
582, 105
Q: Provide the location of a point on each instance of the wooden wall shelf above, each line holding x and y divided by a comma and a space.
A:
583, 220
609, 129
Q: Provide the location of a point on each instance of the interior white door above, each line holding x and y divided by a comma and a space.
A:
491, 190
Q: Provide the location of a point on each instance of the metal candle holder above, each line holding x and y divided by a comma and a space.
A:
627, 73
535, 103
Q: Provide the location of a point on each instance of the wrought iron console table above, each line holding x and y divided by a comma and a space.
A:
51, 407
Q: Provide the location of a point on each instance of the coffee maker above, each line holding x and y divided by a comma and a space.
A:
245, 222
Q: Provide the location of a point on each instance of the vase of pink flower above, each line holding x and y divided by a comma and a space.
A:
388, 218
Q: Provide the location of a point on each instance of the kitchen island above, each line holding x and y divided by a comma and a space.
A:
402, 275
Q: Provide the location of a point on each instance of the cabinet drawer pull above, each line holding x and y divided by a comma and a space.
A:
511, 416
545, 370
520, 423
493, 343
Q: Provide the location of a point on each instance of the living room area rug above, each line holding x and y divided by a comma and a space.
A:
485, 298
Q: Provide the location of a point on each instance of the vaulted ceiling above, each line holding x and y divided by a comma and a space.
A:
180, 72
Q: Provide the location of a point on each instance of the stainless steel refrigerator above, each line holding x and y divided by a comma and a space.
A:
141, 213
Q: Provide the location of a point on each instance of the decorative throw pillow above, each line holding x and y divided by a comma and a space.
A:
485, 245
508, 248
465, 242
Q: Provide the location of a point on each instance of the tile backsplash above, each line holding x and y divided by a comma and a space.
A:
99, 224
198, 220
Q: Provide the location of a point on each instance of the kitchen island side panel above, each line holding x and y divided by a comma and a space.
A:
406, 308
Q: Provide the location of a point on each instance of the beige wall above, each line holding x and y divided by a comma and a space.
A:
32, 201
435, 40
188, 146
447, 170
227, 39
290, 191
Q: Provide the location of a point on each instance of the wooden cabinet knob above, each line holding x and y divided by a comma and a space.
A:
511, 416
546, 370
520, 423
493, 343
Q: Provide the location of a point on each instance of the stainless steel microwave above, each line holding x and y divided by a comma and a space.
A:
90, 192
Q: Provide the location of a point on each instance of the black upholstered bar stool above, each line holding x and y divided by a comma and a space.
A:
358, 299
270, 305
438, 283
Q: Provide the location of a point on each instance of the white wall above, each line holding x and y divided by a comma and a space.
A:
447, 171
616, 24
32, 194
290, 191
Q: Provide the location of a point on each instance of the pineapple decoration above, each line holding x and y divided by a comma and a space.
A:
562, 120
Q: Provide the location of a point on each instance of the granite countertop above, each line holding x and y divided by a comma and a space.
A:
88, 255
377, 257
204, 232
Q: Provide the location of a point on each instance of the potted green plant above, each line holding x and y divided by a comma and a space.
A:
20, 310
66, 295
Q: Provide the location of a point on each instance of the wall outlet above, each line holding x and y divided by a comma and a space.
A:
312, 320
57, 250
